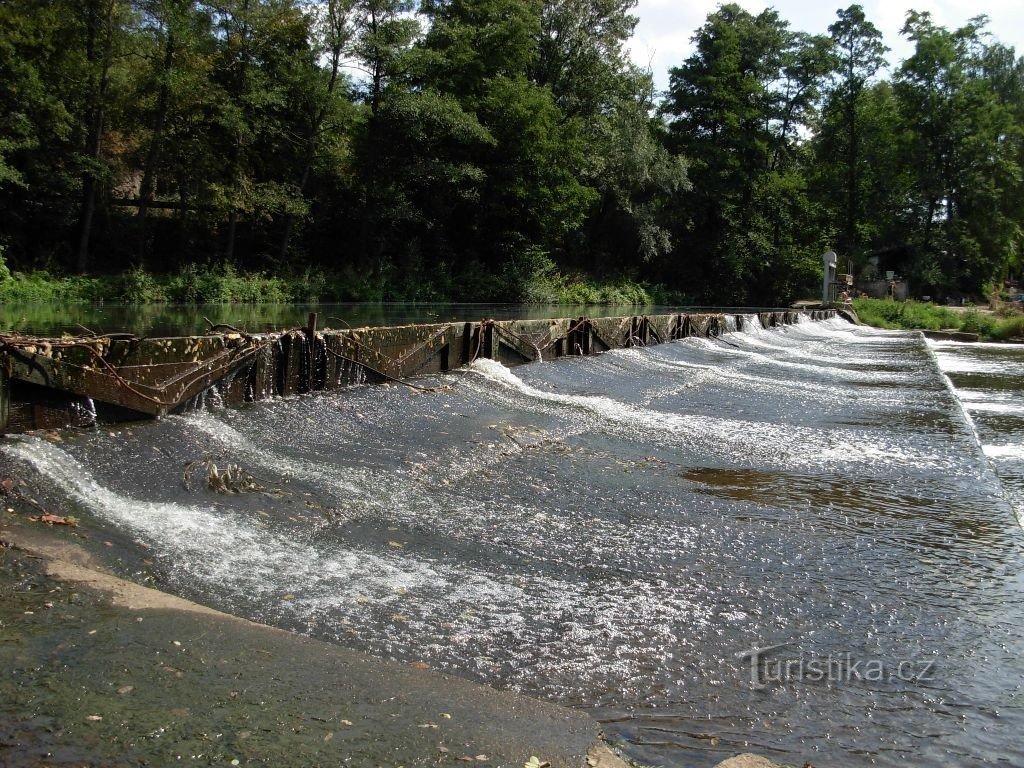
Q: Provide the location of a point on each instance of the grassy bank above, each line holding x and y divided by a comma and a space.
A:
224, 284
1005, 323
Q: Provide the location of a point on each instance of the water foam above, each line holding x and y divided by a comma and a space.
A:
732, 438
533, 624
219, 546
352, 481
1013, 451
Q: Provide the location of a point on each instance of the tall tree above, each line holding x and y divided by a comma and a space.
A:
320, 105
37, 124
174, 40
860, 55
102, 23
737, 107
963, 163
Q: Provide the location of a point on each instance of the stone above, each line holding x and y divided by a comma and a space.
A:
748, 761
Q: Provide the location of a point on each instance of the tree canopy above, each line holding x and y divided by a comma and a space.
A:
455, 148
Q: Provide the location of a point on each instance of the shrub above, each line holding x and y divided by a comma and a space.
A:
975, 322
137, 286
1010, 328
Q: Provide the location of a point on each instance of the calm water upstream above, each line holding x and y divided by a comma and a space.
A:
186, 319
620, 532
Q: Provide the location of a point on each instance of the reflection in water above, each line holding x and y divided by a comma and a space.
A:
615, 532
180, 320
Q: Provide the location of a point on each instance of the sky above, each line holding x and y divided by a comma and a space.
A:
662, 38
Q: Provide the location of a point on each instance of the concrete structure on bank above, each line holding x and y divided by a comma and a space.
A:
54, 383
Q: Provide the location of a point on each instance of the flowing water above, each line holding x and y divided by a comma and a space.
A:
621, 533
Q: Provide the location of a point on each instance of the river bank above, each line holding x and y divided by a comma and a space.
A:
102, 671
224, 284
974, 323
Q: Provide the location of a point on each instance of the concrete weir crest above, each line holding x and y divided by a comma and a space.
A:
68, 382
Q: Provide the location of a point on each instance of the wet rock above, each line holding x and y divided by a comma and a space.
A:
748, 761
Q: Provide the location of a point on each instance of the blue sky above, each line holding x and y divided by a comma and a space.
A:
662, 38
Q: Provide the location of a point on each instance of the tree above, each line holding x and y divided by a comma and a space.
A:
39, 174
966, 168
860, 55
737, 108
383, 31
582, 57
174, 41
102, 23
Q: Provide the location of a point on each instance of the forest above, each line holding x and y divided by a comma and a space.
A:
502, 150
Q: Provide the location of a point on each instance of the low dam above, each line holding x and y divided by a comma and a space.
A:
53, 383
799, 539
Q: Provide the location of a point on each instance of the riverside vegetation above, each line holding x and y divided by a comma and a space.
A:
223, 284
502, 150
1004, 322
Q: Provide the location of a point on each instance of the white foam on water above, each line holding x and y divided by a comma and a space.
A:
999, 408
716, 375
837, 328
1014, 451
790, 341
220, 547
732, 438
973, 429
979, 345
398, 498
518, 618
351, 481
952, 360
759, 358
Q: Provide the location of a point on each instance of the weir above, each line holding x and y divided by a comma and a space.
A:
76, 382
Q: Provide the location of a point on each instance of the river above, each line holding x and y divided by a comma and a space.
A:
623, 533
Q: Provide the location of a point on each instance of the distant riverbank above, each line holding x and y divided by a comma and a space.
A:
225, 284
1002, 324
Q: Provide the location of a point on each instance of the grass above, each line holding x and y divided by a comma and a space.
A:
530, 277
223, 284
919, 315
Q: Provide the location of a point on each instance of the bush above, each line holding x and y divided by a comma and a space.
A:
1010, 328
531, 277
137, 286
910, 315
975, 322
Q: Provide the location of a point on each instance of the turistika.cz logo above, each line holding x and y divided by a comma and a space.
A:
772, 666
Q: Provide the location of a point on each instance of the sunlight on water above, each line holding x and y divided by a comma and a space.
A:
731, 437
610, 532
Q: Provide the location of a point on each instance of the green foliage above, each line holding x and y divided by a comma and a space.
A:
532, 277
912, 315
5, 272
222, 284
1009, 328
140, 287
737, 107
274, 150
43, 288
976, 322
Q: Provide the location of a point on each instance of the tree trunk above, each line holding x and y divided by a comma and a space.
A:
229, 249
318, 120
94, 141
852, 153
153, 153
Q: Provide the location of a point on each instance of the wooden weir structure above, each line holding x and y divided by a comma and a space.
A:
76, 382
